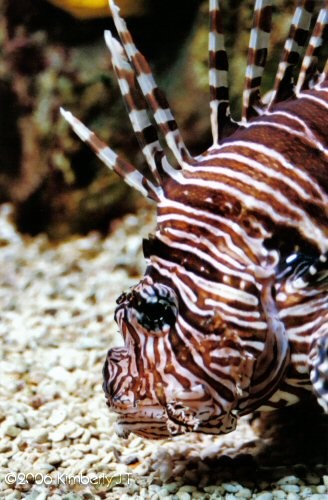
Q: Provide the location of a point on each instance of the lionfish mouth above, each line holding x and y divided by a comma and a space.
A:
146, 420
149, 422
144, 417
149, 428
158, 423
158, 415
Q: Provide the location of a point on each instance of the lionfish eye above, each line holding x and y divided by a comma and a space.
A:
156, 308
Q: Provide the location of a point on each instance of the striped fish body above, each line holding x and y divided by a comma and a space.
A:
232, 313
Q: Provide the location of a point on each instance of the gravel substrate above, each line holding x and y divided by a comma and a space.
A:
56, 436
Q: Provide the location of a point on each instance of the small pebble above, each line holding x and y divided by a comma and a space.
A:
293, 496
172, 487
244, 493
164, 495
289, 480
38, 435
290, 488
217, 494
312, 479
210, 489
58, 416
231, 488
187, 488
279, 494
54, 459
183, 495
13, 431
40, 496
56, 436
305, 492
154, 488
21, 421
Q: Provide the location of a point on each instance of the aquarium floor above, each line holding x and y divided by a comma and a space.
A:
57, 438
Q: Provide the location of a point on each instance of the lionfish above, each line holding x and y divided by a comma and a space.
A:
231, 315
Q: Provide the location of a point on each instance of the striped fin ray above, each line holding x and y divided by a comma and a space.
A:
284, 82
221, 122
136, 104
154, 96
123, 168
309, 71
256, 59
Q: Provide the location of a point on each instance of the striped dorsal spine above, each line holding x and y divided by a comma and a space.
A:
232, 314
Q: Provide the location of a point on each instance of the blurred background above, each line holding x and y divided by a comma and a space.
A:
53, 54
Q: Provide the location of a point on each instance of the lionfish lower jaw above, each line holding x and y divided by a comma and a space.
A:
149, 421
121, 430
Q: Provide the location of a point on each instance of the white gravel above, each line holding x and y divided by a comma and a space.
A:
56, 434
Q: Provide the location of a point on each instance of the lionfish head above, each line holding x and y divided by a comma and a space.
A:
141, 383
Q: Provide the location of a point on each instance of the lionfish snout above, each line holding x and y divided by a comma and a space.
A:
117, 380
123, 393
145, 316
137, 407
